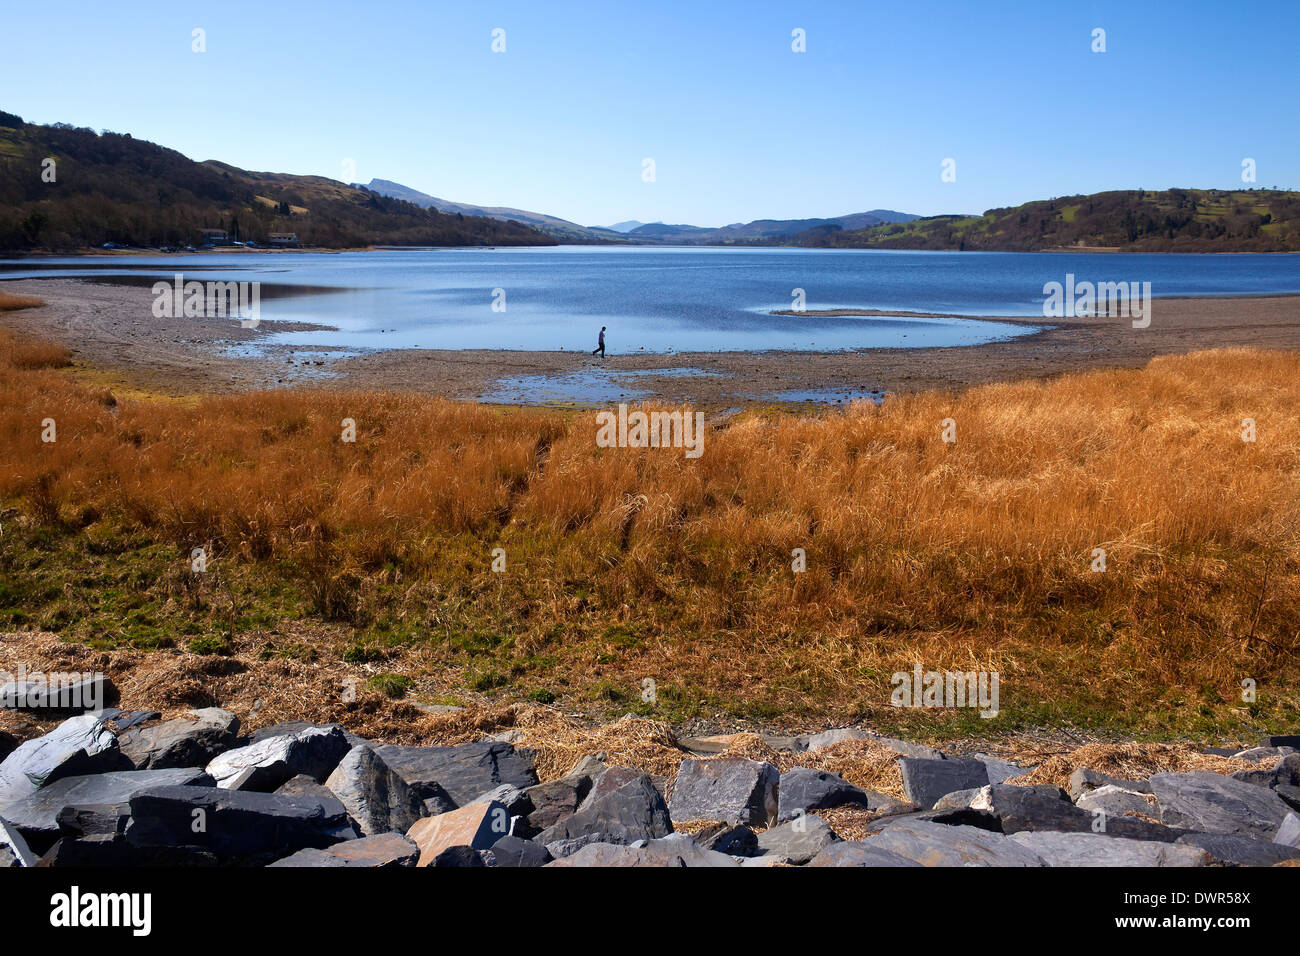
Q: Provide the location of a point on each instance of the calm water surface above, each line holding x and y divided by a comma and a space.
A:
668, 299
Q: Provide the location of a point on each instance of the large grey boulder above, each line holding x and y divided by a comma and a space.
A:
37, 815
1286, 773
1228, 850
937, 844
804, 789
185, 742
383, 851
79, 745
266, 764
1209, 803
1012, 809
463, 772
925, 781
378, 799
1095, 849
729, 789
477, 826
798, 841
634, 811
236, 827
677, 850
859, 854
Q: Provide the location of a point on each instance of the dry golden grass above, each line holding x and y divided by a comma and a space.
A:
1135, 761
625, 563
10, 302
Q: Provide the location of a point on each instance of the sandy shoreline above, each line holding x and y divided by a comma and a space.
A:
106, 328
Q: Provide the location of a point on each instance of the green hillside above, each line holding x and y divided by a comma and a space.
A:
1171, 220
109, 187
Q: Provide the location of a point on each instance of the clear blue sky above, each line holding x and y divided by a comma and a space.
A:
739, 126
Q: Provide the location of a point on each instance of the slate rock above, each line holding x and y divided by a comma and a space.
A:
378, 799
1291, 740
1096, 849
732, 840
1115, 802
1083, 780
1228, 850
291, 727
552, 802
1288, 832
634, 811
1286, 773
458, 856
54, 698
798, 841
264, 765
8, 744
477, 826
80, 745
937, 844
382, 851
185, 742
804, 789
1044, 807
463, 772
925, 781
14, 850
243, 827
1289, 795
676, 850
516, 852
730, 789
847, 853
1000, 770
1209, 803
37, 815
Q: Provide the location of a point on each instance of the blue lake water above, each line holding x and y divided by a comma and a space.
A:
668, 299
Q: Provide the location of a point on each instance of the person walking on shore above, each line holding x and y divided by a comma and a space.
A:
600, 343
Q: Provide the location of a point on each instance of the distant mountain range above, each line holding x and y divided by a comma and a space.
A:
639, 232
112, 188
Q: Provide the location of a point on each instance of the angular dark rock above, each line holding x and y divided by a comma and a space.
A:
1083, 780
676, 850
926, 781
185, 742
463, 772
383, 851
859, 854
732, 840
1285, 740
1228, 850
37, 815
79, 745
798, 841
459, 856
376, 797
266, 764
1095, 849
235, 826
730, 789
14, 850
634, 811
552, 802
53, 698
514, 851
937, 844
804, 789
1209, 803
